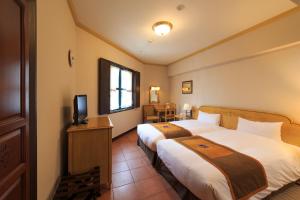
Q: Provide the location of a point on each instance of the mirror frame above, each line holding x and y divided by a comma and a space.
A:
152, 102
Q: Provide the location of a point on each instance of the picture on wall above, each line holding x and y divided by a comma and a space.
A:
187, 87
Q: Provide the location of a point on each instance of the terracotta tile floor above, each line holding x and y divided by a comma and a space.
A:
133, 176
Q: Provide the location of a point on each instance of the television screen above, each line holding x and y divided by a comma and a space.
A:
82, 106
80, 109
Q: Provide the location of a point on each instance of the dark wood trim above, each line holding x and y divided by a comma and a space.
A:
122, 68
104, 87
122, 134
18, 113
121, 110
32, 99
118, 65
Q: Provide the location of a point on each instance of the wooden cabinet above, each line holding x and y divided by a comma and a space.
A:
89, 145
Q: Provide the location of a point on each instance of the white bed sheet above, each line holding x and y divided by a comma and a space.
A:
281, 162
150, 135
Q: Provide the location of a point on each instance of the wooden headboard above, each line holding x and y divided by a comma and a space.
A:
290, 132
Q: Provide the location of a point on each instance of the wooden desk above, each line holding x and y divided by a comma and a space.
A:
161, 110
89, 145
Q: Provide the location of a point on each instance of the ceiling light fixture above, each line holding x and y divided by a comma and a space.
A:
162, 28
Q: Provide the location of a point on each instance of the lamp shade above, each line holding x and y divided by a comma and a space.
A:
155, 88
186, 106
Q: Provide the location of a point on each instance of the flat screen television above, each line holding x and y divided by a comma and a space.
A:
80, 109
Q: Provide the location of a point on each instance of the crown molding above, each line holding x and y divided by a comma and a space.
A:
252, 28
254, 55
97, 35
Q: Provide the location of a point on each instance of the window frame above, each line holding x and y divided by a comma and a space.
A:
120, 89
104, 87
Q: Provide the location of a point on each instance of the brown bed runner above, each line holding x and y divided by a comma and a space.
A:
171, 130
245, 175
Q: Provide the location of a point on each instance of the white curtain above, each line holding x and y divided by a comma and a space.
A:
126, 85
114, 84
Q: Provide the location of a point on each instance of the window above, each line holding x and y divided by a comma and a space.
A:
121, 94
119, 87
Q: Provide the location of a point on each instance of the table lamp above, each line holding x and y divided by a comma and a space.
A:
186, 108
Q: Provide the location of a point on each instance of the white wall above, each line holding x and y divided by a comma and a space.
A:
89, 50
268, 83
55, 88
258, 70
57, 84
282, 31
156, 75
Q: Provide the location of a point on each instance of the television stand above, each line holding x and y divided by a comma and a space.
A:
84, 121
90, 145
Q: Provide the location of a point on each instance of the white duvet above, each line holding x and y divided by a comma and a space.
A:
281, 162
150, 135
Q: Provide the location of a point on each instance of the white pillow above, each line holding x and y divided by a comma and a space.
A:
209, 118
270, 130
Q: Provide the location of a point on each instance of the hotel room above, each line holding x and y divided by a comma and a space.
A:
150, 100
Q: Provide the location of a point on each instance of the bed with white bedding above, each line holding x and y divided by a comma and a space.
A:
280, 160
149, 135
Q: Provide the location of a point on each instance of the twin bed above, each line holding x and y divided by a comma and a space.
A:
238, 159
149, 135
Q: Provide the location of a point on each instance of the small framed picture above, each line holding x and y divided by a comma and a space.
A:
187, 87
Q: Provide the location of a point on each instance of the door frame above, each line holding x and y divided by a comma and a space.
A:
32, 31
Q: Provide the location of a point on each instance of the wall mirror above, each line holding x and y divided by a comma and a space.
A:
154, 94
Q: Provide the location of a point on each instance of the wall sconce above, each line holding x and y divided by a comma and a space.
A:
155, 88
71, 58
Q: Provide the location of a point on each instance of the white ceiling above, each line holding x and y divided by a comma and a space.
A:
128, 23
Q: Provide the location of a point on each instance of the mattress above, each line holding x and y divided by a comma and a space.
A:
281, 162
150, 135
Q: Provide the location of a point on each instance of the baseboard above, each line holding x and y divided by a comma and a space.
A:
122, 134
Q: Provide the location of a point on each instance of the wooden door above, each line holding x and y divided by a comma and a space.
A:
14, 100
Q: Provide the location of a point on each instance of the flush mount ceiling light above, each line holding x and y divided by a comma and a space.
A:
162, 28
